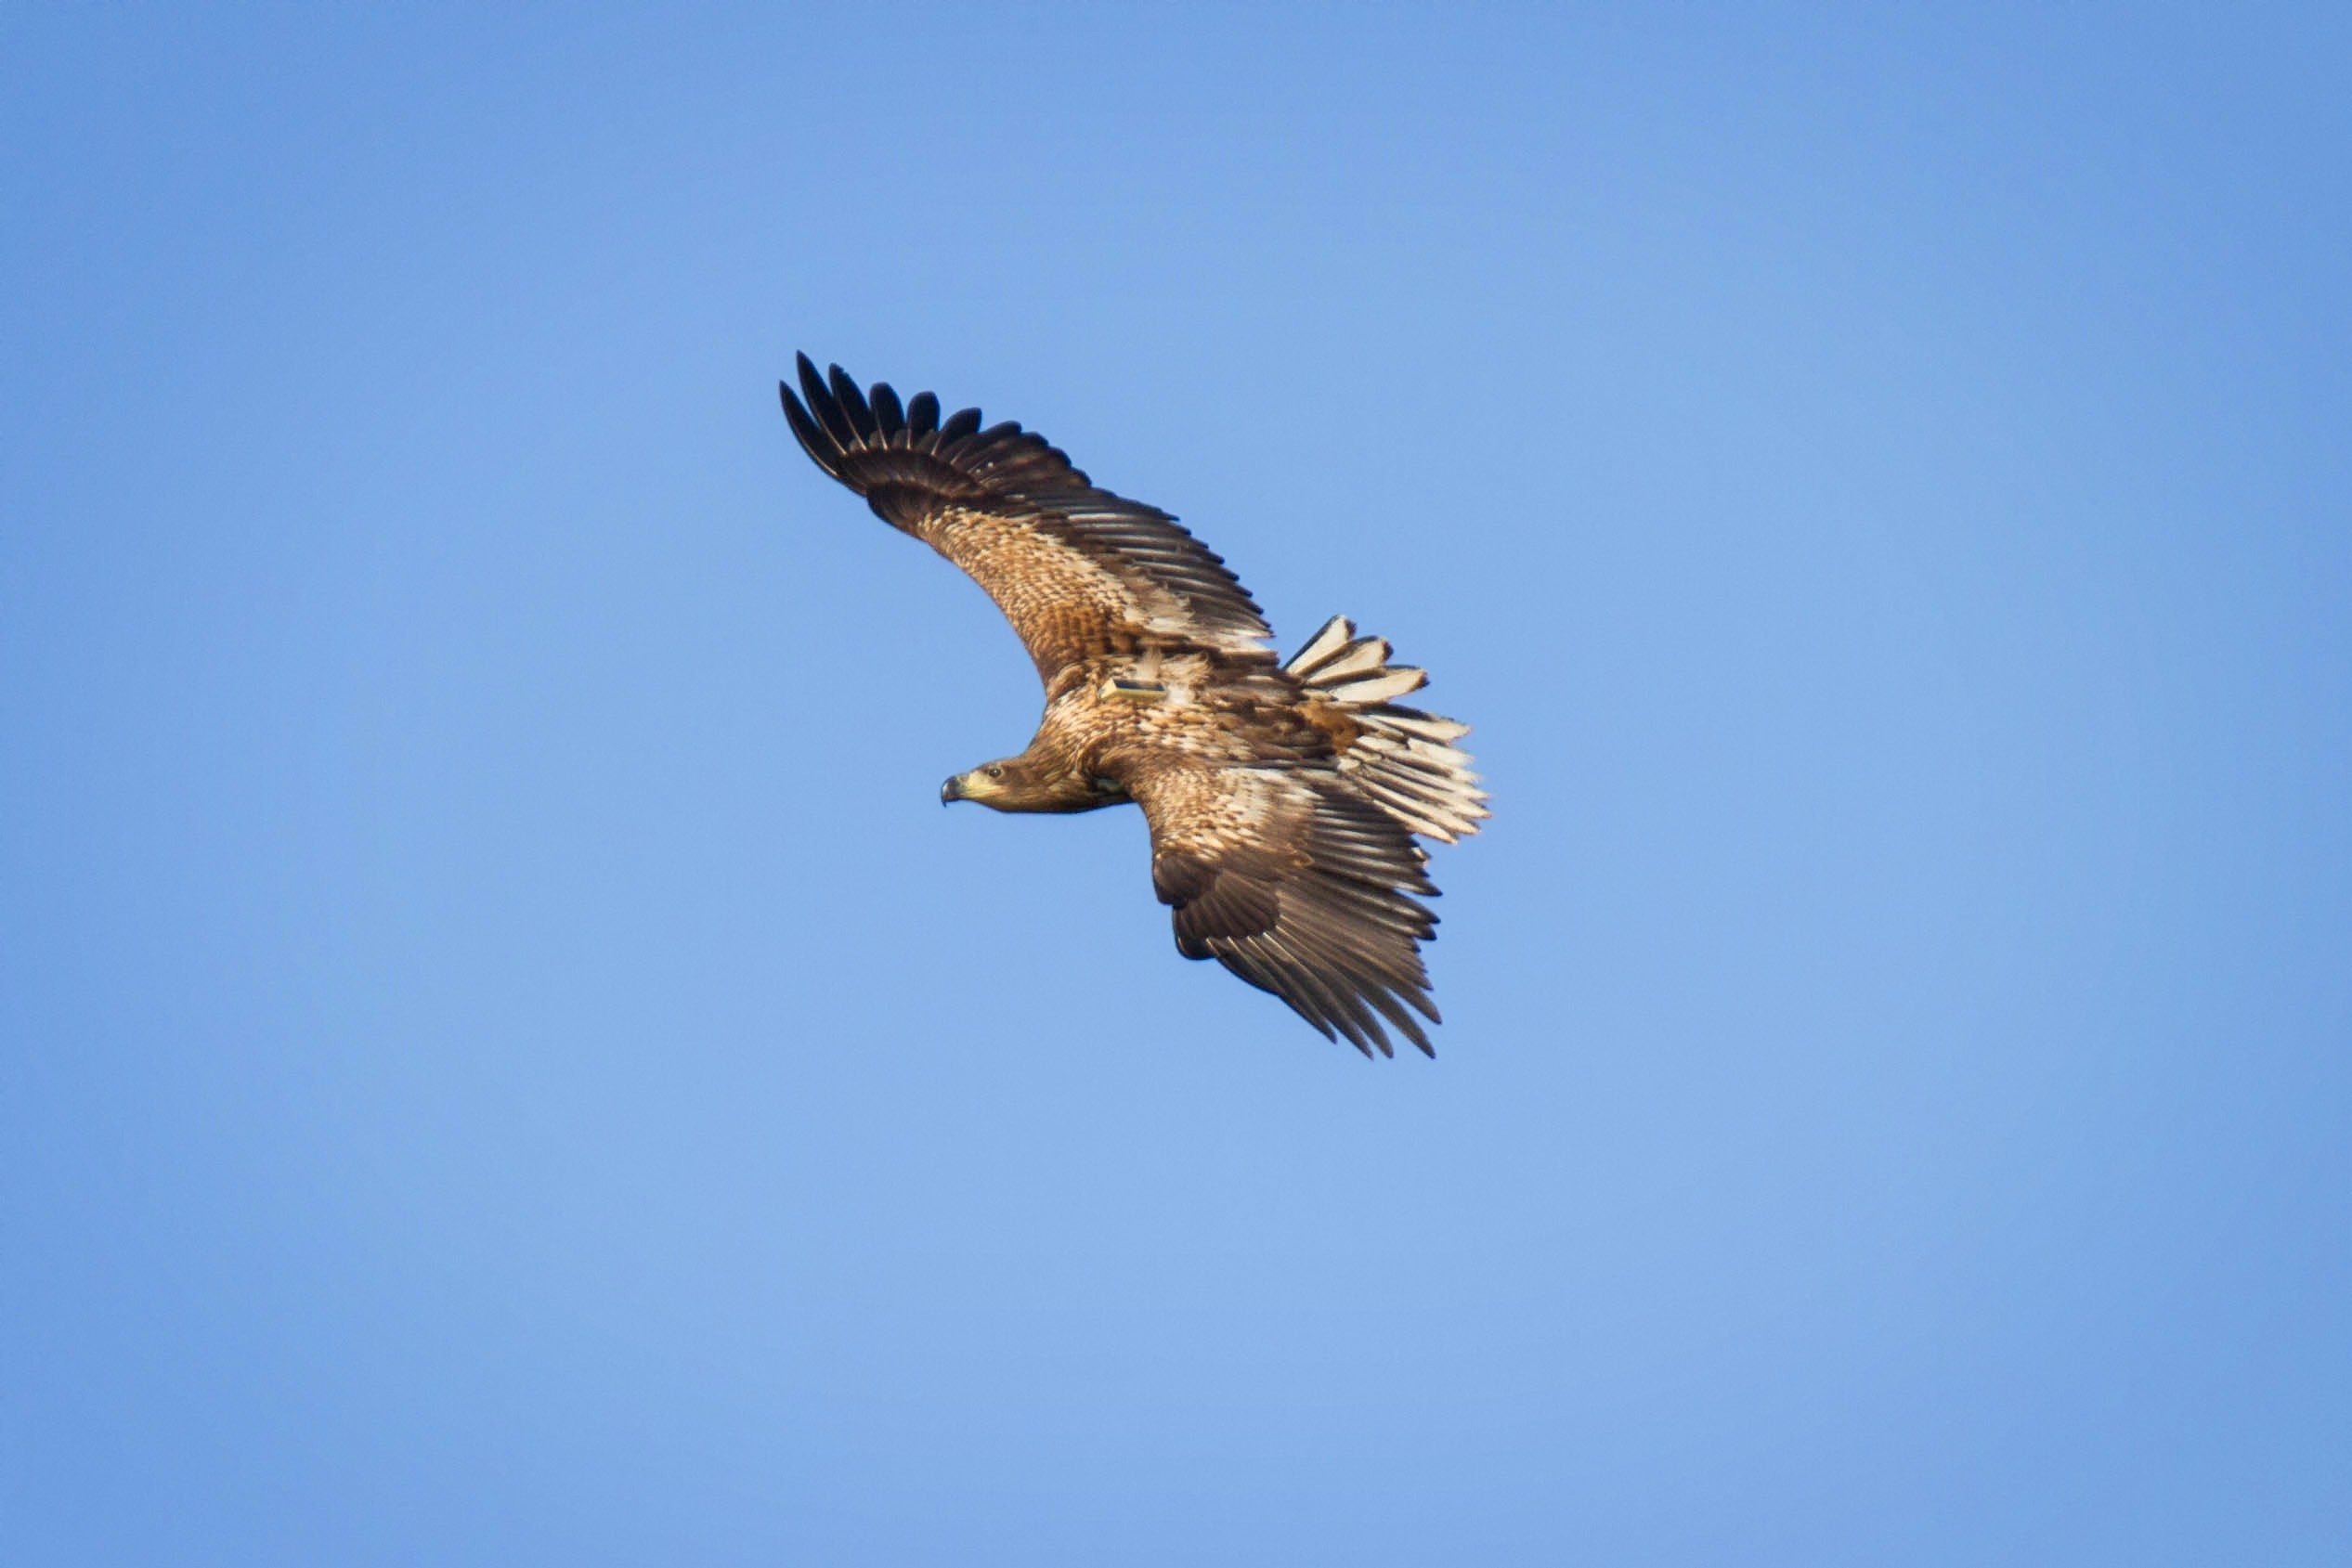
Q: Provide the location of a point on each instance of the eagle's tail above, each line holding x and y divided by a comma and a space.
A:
1401, 758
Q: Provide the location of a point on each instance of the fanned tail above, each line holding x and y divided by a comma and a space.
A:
1401, 758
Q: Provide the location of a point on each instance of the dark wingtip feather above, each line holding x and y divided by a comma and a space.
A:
886, 413
820, 448
822, 407
811, 382
922, 413
853, 401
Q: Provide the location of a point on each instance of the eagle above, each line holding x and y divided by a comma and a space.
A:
1283, 797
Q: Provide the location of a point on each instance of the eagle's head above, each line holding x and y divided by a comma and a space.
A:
991, 783
1016, 784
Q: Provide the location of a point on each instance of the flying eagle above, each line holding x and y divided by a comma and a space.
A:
1283, 798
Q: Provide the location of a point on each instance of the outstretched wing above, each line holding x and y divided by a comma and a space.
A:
1077, 570
1299, 884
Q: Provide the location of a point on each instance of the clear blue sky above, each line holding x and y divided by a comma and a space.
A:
504, 1061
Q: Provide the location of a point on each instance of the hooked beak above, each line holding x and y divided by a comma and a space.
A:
952, 791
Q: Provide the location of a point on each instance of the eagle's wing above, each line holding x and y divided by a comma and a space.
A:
1299, 884
1077, 570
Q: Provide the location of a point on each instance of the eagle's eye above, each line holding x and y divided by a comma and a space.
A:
993, 772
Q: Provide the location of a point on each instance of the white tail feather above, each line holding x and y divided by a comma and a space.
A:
1403, 760
1362, 658
1334, 635
1380, 688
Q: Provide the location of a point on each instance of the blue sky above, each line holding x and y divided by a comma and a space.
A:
506, 1061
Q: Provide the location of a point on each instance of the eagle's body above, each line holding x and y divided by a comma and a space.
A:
1283, 798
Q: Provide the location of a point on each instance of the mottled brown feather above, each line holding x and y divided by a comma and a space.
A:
1076, 569
1296, 885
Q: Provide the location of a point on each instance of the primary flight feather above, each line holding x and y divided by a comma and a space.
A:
1283, 799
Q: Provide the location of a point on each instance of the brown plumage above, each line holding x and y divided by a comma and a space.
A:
1283, 799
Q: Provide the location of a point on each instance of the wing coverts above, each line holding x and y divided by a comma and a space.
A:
1080, 572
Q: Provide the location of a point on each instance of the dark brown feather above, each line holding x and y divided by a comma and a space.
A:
1015, 512
1298, 885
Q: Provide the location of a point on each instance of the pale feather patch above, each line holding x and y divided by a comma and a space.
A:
1361, 659
1401, 759
1335, 635
1382, 687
